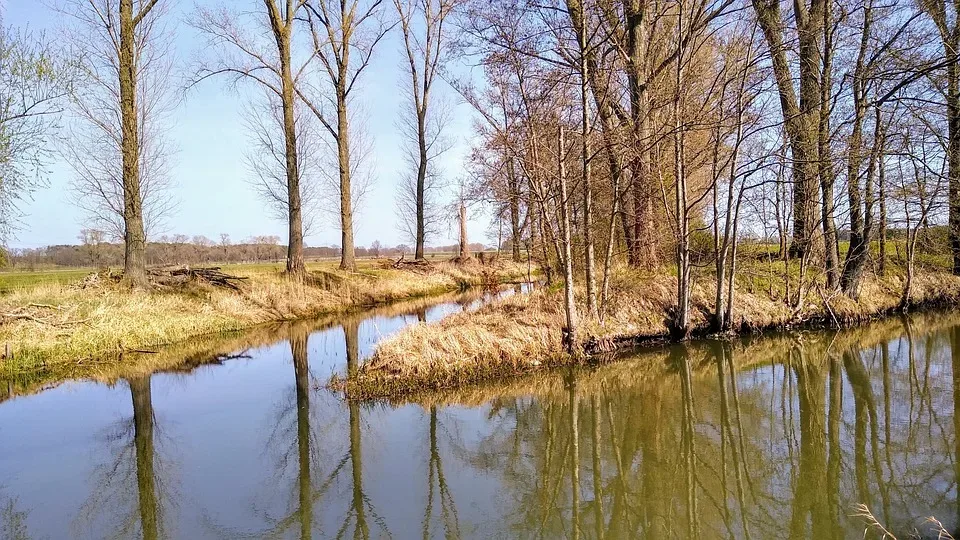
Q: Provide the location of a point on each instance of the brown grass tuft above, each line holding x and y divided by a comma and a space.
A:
519, 334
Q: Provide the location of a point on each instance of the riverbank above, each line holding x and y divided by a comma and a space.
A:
655, 368
54, 326
520, 335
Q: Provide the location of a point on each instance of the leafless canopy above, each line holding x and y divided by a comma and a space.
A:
92, 144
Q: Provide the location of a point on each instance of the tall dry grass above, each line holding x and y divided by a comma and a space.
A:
55, 324
520, 334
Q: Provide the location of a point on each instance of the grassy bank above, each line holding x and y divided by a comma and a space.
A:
54, 324
521, 334
653, 369
202, 351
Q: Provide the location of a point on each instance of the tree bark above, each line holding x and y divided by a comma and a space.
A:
135, 240
281, 25
347, 254
953, 147
831, 257
570, 308
464, 241
421, 184
513, 192
645, 245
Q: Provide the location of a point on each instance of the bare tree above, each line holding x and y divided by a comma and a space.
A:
266, 158
92, 241
117, 147
800, 111
569, 303
338, 30
249, 56
33, 83
946, 17
423, 26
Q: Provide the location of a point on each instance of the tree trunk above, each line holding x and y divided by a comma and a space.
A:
464, 241
882, 231
681, 209
645, 247
516, 228
295, 262
953, 148
421, 183
570, 308
135, 241
831, 257
577, 12
281, 29
347, 254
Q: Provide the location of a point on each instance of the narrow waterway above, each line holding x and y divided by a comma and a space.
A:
774, 437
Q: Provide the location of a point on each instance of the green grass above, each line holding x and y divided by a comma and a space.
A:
17, 279
51, 323
12, 280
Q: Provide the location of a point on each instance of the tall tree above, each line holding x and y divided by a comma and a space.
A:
125, 62
946, 17
423, 26
270, 64
801, 114
339, 29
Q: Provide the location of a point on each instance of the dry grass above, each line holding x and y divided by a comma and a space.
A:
520, 334
200, 351
653, 368
55, 324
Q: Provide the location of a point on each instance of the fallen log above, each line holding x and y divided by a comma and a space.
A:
182, 275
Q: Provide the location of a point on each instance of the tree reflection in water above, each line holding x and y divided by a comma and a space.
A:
13, 520
296, 435
438, 489
132, 490
821, 426
765, 438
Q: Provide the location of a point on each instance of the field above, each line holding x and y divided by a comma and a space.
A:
20, 279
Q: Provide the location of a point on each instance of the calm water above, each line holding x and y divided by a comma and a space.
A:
769, 438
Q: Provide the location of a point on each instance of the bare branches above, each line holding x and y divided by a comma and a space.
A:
93, 142
34, 84
422, 25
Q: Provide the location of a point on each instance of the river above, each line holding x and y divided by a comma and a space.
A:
775, 437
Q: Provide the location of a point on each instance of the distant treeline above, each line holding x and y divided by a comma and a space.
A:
179, 249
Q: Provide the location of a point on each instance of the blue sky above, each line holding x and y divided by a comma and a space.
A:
209, 176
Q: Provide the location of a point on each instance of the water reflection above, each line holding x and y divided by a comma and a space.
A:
13, 520
133, 491
775, 437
